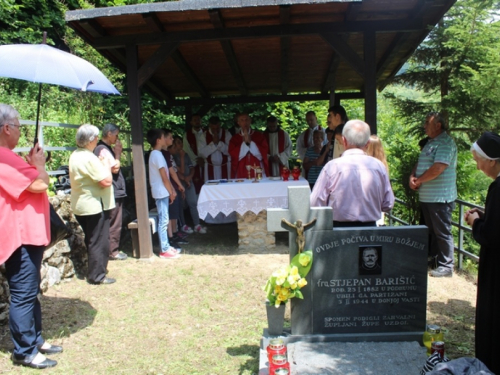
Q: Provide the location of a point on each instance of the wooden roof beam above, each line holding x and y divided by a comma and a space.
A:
346, 52
171, 51
189, 73
265, 99
427, 4
227, 47
401, 38
353, 11
159, 57
155, 61
94, 30
266, 31
329, 81
285, 49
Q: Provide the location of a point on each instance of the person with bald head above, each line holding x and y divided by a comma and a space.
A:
435, 179
355, 185
248, 147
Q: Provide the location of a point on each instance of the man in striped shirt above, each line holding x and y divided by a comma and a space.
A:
435, 179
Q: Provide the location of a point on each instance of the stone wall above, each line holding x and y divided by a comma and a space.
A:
60, 262
252, 232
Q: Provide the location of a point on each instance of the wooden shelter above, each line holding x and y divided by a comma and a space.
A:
198, 53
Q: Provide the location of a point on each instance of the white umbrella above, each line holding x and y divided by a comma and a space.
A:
41, 63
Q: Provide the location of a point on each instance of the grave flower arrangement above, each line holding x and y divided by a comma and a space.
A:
286, 282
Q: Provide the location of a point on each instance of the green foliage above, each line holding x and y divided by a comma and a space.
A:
457, 70
24, 21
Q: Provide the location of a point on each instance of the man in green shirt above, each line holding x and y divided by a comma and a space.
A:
434, 177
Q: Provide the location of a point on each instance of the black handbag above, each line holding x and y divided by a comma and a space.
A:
58, 230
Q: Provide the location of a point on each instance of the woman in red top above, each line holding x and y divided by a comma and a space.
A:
25, 231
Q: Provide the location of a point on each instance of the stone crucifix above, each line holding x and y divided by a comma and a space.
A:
300, 229
299, 210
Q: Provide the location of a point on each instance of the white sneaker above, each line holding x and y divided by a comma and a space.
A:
187, 229
199, 229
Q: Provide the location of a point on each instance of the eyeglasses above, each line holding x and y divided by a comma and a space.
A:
15, 125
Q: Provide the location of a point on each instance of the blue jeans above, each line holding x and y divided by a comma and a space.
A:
25, 315
162, 207
192, 203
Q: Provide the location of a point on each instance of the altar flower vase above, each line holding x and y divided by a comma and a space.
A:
285, 173
296, 173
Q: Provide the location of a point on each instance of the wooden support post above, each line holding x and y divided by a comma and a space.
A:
332, 97
141, 192
370, 79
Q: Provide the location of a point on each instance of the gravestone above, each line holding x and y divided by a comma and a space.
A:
365, 284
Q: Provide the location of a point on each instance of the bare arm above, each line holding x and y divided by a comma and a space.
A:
118, 154
107, 182
430, 174
321, 159
168, 184
308, 163
36, 158
174, 176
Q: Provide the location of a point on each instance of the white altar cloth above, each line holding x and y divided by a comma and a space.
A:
241, 197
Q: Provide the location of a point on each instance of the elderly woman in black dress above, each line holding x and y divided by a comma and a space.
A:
486, 231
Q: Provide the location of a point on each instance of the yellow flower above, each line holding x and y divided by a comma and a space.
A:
302, 282
277, 289
280, 281
304, 259
294, 271
281, 298
282, 272
294, 286
284, 292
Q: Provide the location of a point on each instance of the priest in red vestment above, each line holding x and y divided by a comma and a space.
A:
248, 147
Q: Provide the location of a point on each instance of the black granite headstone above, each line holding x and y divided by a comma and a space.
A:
365, 284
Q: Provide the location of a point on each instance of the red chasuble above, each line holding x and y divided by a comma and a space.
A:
238, 167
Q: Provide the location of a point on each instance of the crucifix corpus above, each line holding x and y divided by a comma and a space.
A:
301, 239
299, 211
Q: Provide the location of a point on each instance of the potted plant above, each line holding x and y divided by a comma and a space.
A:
284, 284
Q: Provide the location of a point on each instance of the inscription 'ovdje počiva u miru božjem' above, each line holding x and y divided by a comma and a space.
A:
365, 283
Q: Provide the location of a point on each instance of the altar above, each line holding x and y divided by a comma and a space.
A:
249, 200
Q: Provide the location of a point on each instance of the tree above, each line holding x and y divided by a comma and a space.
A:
457, 70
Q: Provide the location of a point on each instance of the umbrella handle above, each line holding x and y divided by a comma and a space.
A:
38, 113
